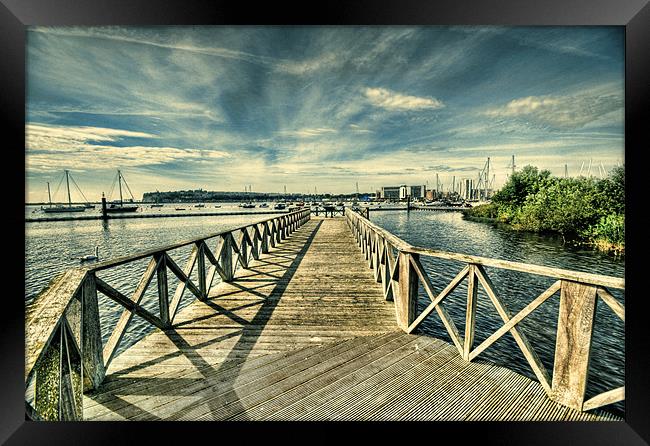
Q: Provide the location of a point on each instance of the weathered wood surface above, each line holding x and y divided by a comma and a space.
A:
573, 343
306, 334
42, 317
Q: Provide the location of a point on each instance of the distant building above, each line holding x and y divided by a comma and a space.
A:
401, 192
390, 192
418, 191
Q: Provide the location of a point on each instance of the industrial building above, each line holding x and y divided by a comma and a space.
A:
390, 192
402, 191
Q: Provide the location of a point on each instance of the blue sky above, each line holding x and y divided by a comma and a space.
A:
219, 108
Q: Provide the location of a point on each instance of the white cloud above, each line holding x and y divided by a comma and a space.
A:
566, 112
123, 35
358, 129
307, 132
391, 100
52, 148
327, 60
37, 132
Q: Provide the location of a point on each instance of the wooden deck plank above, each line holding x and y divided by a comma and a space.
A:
363, 394
215, 409
341, 386
214, 383
323, 380
305, 334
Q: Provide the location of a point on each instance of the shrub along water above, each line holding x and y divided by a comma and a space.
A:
581, 210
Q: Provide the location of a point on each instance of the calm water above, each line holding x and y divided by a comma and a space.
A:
52, 247
34, 211
450, 232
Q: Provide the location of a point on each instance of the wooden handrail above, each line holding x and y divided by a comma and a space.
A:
565, 274
150, 252
399, 273
64, 354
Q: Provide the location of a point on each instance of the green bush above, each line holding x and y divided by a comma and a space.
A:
583, 208
484, 211
610, 228
564, 206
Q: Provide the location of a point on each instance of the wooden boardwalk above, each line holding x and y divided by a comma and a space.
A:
305, 334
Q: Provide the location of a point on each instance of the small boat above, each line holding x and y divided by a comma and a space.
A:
180, 209
119, 206
60, 207
247, 205
279, 206
157, 205
200, 205
264, 205
217, 205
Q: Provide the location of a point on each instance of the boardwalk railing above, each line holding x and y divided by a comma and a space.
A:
64, 355
396, 265
330, 211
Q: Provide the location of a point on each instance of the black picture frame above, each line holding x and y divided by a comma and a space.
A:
15, 15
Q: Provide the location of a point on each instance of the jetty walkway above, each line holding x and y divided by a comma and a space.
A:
304, 325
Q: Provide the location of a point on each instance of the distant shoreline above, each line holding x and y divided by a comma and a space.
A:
126, 216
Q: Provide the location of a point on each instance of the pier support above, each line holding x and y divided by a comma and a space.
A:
163, 293
225, 258
91, 339
407, 294
573, 343
470, 312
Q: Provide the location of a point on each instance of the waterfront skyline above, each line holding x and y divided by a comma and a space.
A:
220, 108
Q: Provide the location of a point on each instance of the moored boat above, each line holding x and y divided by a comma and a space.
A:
59, 207
120, 206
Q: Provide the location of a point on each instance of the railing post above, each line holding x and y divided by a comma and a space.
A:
407, 294
573, 343
273, 229
243, 249
265, 238
225, 257
256, 243
283, 226
163, 293
201, 269
91, 336
470, 314
278, 231
47, 390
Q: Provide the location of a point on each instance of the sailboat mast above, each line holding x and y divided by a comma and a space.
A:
119, 179
49, 197
487, 177
67, 182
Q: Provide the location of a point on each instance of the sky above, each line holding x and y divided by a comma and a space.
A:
317, 108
